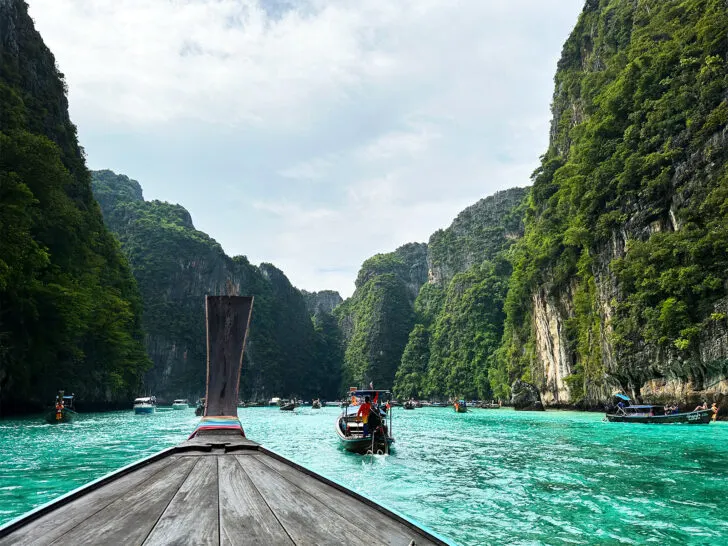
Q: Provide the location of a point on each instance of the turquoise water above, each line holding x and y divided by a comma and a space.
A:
484, 477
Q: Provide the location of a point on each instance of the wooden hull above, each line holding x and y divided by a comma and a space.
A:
702, 417
214, 489
288, 407
67, 416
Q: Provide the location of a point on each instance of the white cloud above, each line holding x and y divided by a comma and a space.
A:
312, 133
312, 169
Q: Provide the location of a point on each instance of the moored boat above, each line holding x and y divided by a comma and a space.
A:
316, 404
145, 405
655, 415
179, 404
350, 429
409, 404
200, 409
63, 411
460, 406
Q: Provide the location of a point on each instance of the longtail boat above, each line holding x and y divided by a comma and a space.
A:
351, 430
218, 487
460, 406
656, 415
63, 412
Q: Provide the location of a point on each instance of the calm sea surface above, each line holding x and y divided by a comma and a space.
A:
484, 477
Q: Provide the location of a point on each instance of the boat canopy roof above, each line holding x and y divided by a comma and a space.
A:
68, 397
644, 406
180, 401
143, 399
622, 396
366, 392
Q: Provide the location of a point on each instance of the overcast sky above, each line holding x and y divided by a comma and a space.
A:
312, 133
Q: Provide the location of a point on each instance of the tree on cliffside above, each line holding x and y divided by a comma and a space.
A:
625, 239
69, 307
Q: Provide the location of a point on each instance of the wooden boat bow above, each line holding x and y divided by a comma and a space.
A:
218, 487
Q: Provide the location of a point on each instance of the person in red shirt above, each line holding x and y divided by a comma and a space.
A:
363, 412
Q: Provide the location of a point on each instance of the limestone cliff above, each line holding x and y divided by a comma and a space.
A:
620, 281
324, 301
176, 266
70, 311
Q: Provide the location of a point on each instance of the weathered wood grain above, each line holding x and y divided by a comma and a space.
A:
305, 519
192, 515
227, 318
371, 521
245, 518
51, 526
130, 518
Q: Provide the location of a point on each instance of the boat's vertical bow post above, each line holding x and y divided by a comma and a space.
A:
228, 320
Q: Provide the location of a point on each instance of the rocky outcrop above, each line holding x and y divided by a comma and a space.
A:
477, 234
324, 301
525, 396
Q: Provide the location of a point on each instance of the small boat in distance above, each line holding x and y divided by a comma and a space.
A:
180, 403
460, 406
316, 404
350, 430
145, 405
409, 404
200, 409
63, 412
288, 405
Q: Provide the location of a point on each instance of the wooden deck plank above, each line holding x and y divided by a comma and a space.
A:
192, 515
373, 522
305, 519
130, 518
49, 527
245, 518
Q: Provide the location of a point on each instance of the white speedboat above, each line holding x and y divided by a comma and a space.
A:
145, 405
180, 403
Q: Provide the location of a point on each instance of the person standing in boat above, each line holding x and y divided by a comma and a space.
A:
363, 413
715, 408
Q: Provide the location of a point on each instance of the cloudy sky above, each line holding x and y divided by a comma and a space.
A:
312, 133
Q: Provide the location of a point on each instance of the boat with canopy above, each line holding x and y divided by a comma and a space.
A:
350, 428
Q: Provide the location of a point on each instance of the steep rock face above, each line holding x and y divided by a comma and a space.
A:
70, 311
376, 320
620, 278
478, 233
176, 266
324, 301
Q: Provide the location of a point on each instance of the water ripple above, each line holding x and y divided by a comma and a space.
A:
484, 477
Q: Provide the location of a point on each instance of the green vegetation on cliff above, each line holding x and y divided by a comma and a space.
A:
628, 208
69, 308
176, 266
434, 338
377, 319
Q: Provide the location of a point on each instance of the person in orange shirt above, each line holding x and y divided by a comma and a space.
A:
363, 412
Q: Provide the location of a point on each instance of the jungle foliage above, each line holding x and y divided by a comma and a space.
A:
70, 311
